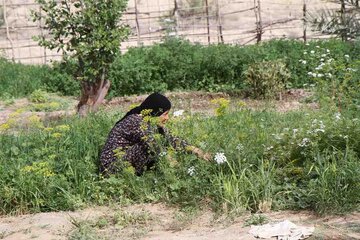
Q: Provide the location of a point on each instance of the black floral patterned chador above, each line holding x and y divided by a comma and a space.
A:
132, 139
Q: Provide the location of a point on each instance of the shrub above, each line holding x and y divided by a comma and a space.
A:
59, 79
38, 96
267, 79
177, 64
20, 80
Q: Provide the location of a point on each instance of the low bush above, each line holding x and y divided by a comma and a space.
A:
177, 64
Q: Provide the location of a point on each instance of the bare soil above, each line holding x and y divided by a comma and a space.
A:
192, 102
160, 222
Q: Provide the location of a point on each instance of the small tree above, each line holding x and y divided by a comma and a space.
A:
89, 33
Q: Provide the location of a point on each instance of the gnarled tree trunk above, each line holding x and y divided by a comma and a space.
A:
92, 95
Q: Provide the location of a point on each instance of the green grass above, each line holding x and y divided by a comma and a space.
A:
274, 161
297, 160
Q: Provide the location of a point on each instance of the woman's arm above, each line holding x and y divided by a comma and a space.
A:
179, 144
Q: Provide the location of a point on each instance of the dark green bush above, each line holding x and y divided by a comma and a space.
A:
59, 79
20, 80
175, 64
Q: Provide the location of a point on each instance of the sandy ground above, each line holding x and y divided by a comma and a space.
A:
160, 222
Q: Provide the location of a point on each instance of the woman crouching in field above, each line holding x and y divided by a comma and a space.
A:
132, 138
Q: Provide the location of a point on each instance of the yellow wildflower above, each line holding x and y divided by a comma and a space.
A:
129, 170
63, 128
134, 105
242, 104
223, 105
56, 135
4, 127
20, 110
119, 153
146, 112
11, 122
54, 105
14, 114
35, 121
38, 168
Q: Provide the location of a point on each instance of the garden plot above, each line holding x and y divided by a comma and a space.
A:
59, 107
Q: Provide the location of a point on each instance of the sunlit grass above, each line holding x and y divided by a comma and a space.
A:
268, 164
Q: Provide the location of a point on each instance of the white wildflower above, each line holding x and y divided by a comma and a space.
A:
327, 50
337, 116
277, 136
240, 147
220, 158
191, 171
321, 59
319, 130
305, 52
312, 52
295, 130
304, 62
323, 55
162, 154
318, 46
304, 142
269, 148
309, 73
347, 56
178, 113
320, 75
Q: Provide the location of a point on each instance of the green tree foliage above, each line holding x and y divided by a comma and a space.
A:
88, 32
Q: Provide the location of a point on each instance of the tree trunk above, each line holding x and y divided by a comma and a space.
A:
92, 95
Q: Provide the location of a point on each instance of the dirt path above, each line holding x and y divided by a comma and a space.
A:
159, 222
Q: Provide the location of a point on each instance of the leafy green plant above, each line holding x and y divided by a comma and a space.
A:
267, 79
38, 96
20, 80
88, 32
256, 219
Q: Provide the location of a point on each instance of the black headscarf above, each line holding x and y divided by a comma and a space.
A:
156, 102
